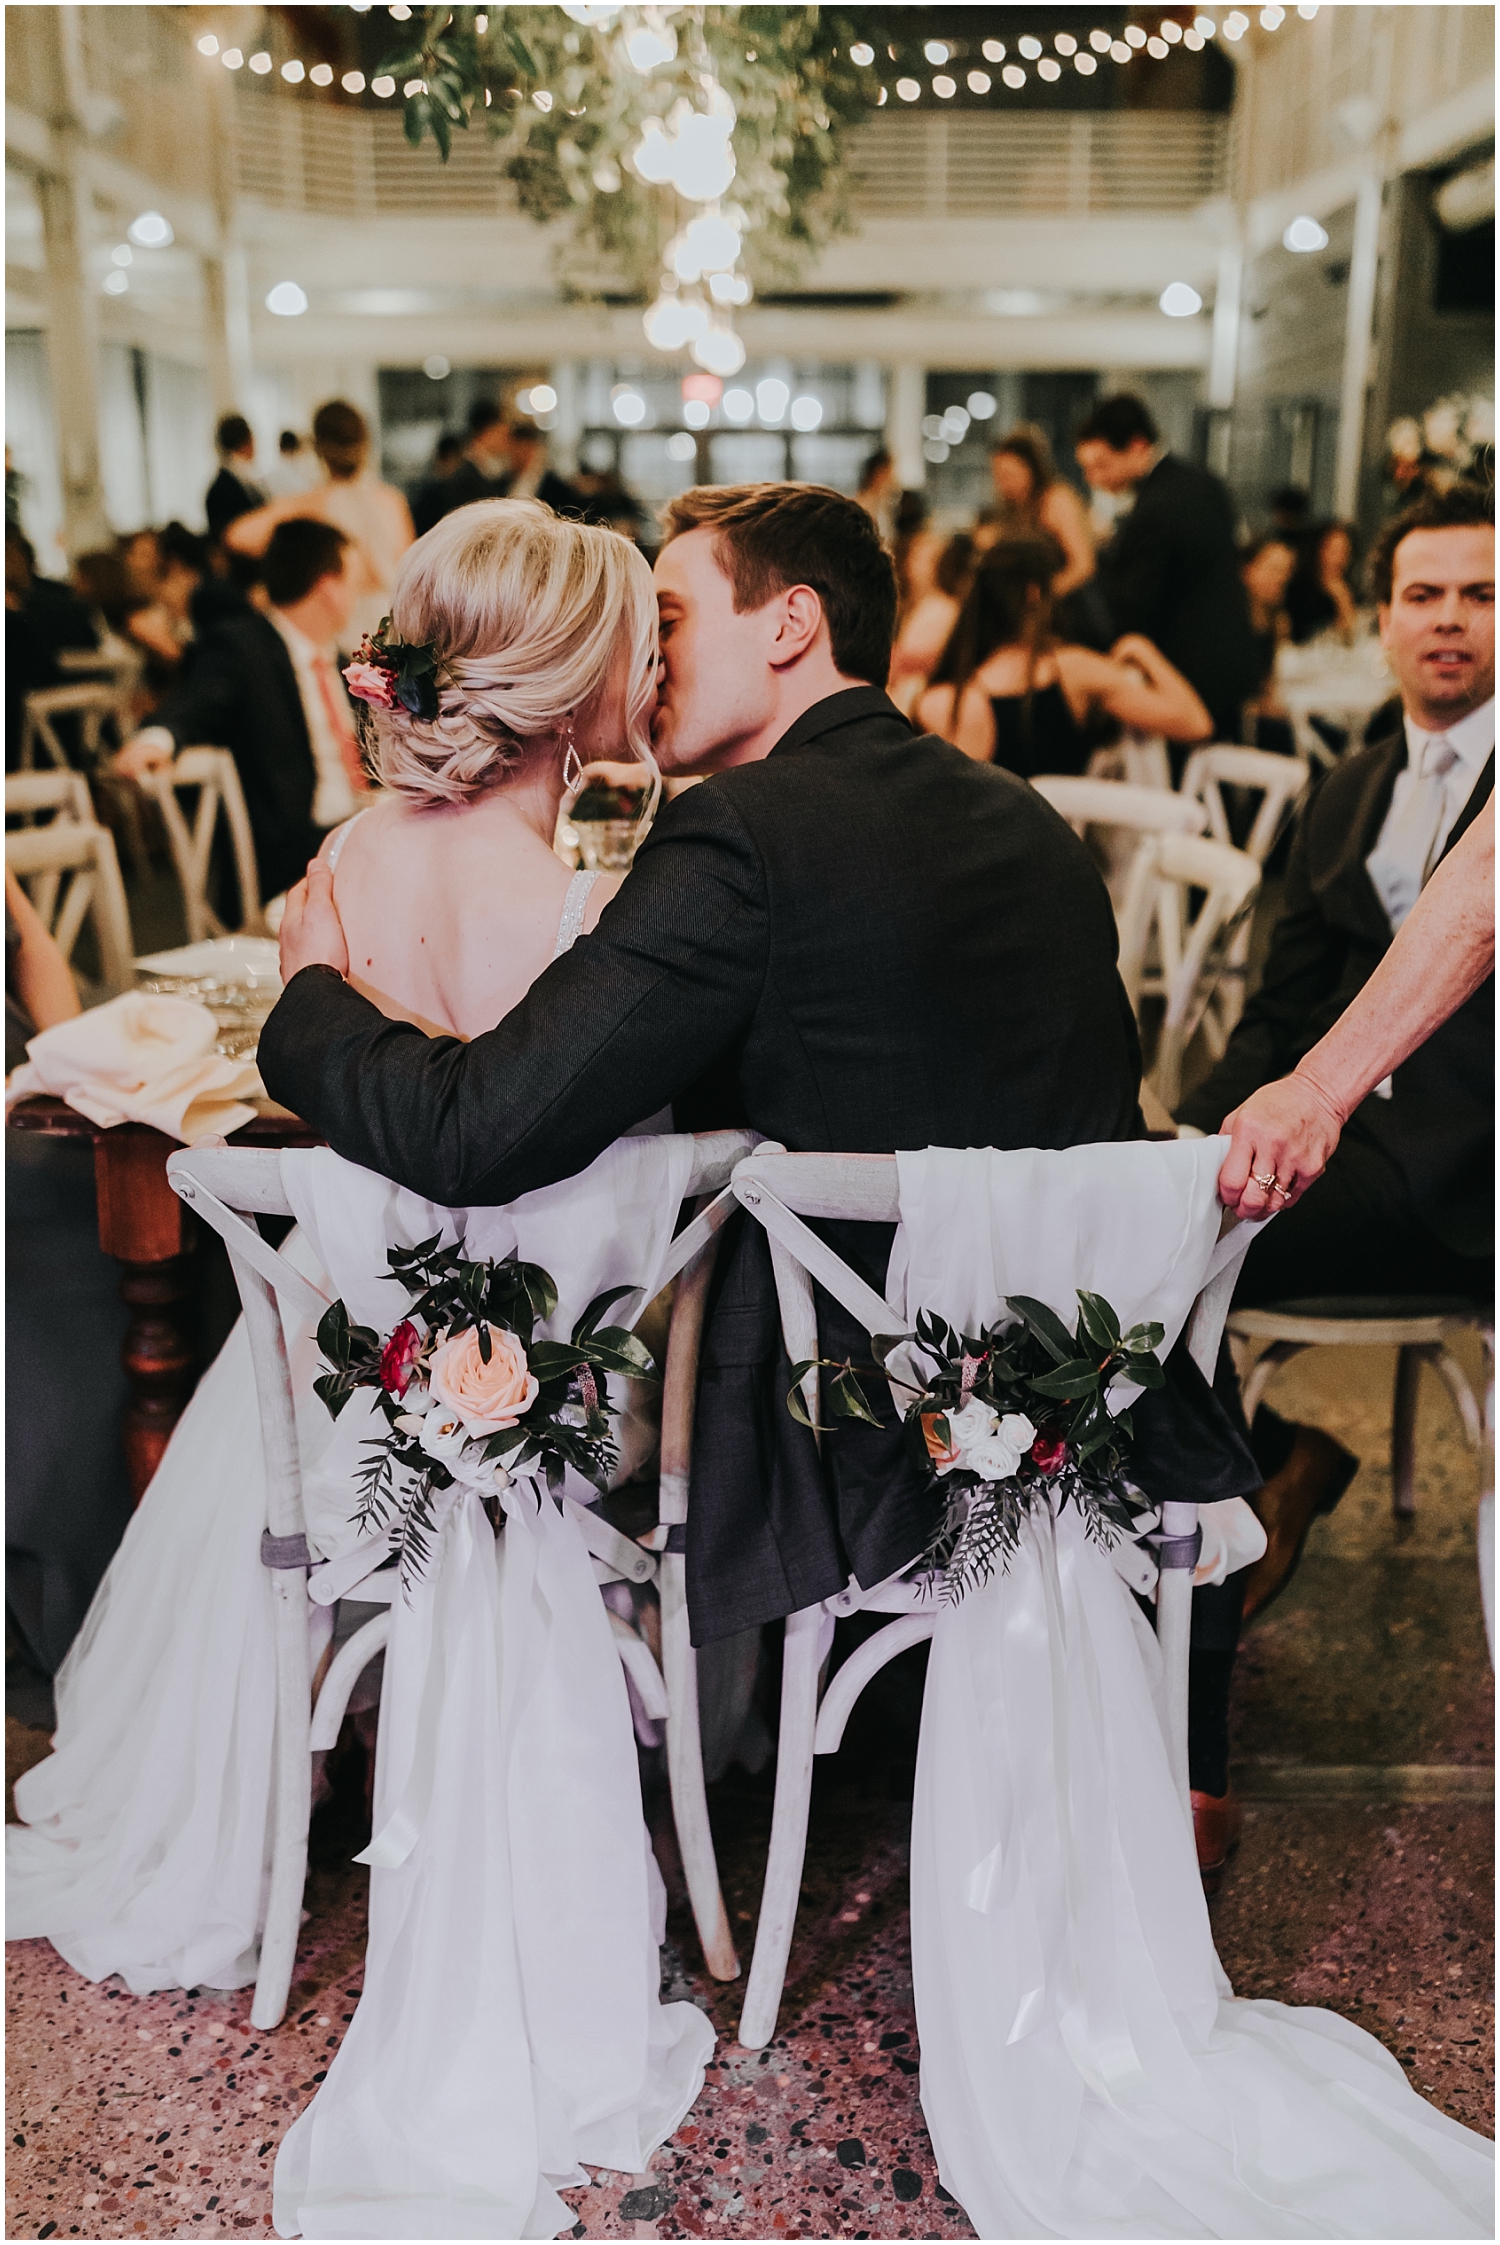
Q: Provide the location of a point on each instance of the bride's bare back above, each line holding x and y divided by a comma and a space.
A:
451, 912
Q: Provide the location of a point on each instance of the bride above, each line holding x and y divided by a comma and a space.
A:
475, 2078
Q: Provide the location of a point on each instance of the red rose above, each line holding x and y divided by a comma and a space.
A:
398, 1357
1048, 1452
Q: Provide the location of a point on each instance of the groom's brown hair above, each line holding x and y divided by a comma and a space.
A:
772, 536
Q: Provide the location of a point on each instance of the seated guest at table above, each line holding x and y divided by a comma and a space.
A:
879, 493
66, 1496
1267, 568
267, 687
1007, 691
1406, 1203
1033, 497
1319, 598
1170, 572
926, 629
42, 617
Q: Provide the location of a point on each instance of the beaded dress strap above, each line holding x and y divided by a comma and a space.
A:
575, 904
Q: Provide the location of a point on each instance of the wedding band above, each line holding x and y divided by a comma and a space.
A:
1266, 1184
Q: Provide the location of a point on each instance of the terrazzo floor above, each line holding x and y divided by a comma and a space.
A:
1364, 1882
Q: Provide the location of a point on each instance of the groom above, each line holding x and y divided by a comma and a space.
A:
851, 939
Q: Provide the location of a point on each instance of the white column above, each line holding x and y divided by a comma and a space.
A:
72, 307
903, 433
1225, 352
226, 307
1364, 265
563, 443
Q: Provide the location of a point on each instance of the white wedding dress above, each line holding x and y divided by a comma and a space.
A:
1086, 2068
510, 2029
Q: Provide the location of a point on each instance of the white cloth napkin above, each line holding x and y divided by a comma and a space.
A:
142, 1059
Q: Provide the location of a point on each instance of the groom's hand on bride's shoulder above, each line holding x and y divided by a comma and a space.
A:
312, 934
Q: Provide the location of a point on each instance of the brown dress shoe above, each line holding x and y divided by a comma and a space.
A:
1311, 1482
1216, 1828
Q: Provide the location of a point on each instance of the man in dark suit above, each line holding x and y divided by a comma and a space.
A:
485, 471
266, 687
1171, 571
232, 492
848, 937
1406, 1203
534, 477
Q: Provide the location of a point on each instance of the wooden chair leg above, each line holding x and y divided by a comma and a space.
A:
1279, 1353
808, 1635
685, 1772
292, 1803
1404, 1433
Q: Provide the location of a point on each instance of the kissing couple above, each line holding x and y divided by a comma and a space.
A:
850, 938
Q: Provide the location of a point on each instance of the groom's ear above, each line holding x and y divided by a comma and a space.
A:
799, 626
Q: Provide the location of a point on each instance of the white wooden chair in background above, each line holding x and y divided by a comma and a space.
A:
30, 796
210, 774
1279, 781
1172, 951
779, 1189
1119, 813
100, 709
228, 1187
1419, 1329
70, 872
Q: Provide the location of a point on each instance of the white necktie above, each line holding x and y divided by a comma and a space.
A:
1408, 846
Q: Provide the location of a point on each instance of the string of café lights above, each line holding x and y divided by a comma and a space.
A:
1084, 55
1179, 300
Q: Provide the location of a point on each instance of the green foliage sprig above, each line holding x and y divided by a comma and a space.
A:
786, 69
1005, 1421
565, 1423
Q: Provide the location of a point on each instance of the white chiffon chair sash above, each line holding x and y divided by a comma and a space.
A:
510, 2029
1086, 2071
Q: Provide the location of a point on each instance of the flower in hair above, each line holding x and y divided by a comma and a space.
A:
387, 671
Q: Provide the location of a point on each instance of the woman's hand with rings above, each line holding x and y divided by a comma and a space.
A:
1280, 1143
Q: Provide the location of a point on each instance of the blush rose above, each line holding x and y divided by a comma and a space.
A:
484, 1397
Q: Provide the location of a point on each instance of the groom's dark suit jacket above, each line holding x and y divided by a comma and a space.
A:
862, 943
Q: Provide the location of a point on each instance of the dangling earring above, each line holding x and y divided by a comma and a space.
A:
572, 771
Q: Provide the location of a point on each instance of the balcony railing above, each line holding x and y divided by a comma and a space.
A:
300, 155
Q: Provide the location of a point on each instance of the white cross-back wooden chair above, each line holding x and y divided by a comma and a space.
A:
1140, 758
779, 1190
1279, 781
1121, 814
229, 1187
1420, 1329
99, 707
70, 872
30, 796
210, 774
1178, 952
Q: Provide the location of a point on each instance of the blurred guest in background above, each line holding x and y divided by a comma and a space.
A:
107, 589
606, 499
1290, 507
441, 468
1007, 691
165, 625
916, 553
1170, 572
41, 618
880, 494
483, 473
927, 627
267, 688
533, 476
142, 558
1032, 496
294, 469
1319, 599
232, 492
1267, 567
373, 516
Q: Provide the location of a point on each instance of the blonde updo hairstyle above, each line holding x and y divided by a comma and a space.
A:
528, 616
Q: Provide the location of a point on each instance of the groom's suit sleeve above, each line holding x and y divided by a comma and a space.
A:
613, 1031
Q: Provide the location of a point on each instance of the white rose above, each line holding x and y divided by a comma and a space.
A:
443, 1437
999, 1455
974, 1423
